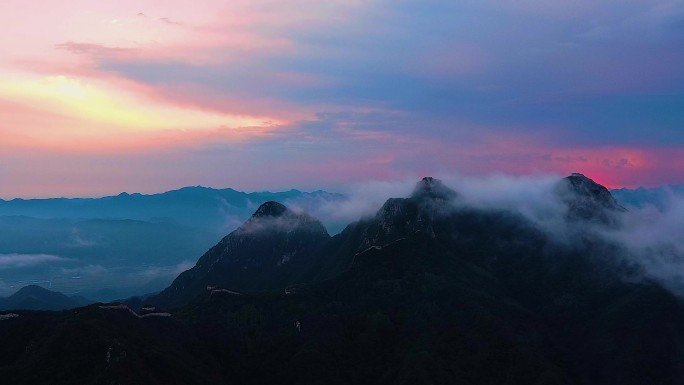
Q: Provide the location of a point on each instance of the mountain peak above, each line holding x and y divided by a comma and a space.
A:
584, 186
272, 250
33, 297
579, 178
270, 209
430, 187
588, 199
32, 290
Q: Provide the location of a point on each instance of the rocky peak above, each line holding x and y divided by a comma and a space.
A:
270, 209
401, 217
586, 188
587, 199
273, 217
430, 187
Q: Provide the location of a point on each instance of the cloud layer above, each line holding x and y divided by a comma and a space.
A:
11, 261
648, 237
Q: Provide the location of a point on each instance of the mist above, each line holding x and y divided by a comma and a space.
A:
654, 240
361, 200
10, 261
79, 257
531, 196
649, 235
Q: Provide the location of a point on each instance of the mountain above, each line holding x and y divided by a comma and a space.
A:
277, 248
34, 297
588, 200
118, 246
271, 250
658, 197
190, 206
427, 291
396, 218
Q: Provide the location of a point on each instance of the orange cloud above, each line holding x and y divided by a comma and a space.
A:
66, 110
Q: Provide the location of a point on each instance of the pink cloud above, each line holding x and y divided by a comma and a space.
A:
293, 62
613, 166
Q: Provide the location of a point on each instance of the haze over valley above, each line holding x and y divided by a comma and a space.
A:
123, 245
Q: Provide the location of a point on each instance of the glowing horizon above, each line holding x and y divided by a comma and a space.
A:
146, 96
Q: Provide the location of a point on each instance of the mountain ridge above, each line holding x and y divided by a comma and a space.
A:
188, 205
427, 291
430, 209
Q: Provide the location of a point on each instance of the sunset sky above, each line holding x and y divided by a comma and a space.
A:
149, 95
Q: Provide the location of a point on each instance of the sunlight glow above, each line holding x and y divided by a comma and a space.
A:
103, 104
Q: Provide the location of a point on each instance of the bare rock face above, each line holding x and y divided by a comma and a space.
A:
588, 200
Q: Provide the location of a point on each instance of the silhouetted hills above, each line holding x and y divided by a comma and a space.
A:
658, 197
397, 217
427, 291
271, 250
34, 297
190, 206
277, 248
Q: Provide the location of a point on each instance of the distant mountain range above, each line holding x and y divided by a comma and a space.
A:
118, 246
190, 206
225, 209
659, 197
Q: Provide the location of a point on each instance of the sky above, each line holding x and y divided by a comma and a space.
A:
149, 95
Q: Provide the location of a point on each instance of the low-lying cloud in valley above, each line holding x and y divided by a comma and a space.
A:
654, 240
649, 235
